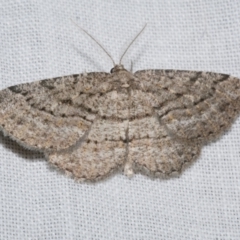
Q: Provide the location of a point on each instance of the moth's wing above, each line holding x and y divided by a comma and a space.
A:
53, 114
196, 106
90, 160
104, 149
190, 108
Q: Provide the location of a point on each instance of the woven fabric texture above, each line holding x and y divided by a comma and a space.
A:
39, 41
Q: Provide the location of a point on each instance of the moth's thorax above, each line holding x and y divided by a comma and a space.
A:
121, 76
122, 99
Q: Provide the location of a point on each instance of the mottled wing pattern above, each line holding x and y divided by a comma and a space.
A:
190, 108
91, 124
52, 114
69, 119
104, 149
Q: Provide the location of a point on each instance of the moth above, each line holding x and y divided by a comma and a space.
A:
91, 124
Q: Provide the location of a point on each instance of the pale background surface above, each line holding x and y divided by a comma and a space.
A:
38, 41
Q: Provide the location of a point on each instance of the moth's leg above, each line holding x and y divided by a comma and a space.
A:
131, 69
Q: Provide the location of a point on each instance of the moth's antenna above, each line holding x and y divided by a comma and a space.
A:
95, 42
132, 43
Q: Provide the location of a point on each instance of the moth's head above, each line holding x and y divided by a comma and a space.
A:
117, 68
